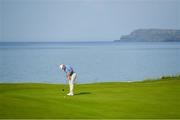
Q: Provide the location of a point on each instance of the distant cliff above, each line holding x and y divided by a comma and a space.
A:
151, 35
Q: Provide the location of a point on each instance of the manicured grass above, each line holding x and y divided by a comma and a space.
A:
147, 99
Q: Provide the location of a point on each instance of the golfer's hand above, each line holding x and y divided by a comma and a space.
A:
69, 78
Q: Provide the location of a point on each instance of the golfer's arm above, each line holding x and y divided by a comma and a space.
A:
68, 76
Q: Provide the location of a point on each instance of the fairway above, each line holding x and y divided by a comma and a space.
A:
147, 99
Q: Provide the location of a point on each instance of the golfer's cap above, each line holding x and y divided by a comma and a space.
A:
61, 66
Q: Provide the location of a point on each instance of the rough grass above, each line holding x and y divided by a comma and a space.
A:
147, 99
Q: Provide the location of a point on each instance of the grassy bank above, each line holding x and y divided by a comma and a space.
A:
147, 99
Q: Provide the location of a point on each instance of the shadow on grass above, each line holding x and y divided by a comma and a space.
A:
82, 93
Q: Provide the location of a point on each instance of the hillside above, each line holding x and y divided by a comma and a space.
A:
151, 35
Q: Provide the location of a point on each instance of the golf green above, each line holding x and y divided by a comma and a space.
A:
146, 99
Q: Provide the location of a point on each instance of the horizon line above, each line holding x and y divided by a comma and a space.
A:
52, 41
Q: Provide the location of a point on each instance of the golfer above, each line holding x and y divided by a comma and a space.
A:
71, 76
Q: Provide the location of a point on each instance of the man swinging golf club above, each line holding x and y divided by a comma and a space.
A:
71, 76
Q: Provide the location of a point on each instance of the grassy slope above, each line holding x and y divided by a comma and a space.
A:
147, 99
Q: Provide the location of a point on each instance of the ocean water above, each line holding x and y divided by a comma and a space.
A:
93, 61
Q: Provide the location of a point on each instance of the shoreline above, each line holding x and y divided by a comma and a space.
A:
138, 81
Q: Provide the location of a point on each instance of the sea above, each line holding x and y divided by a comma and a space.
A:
38, 62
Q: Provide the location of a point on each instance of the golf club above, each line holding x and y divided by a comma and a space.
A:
64, 86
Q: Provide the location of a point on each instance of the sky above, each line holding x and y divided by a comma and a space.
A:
83, 20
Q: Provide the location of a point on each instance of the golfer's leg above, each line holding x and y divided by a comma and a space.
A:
69, 86
73, 77
72, 82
